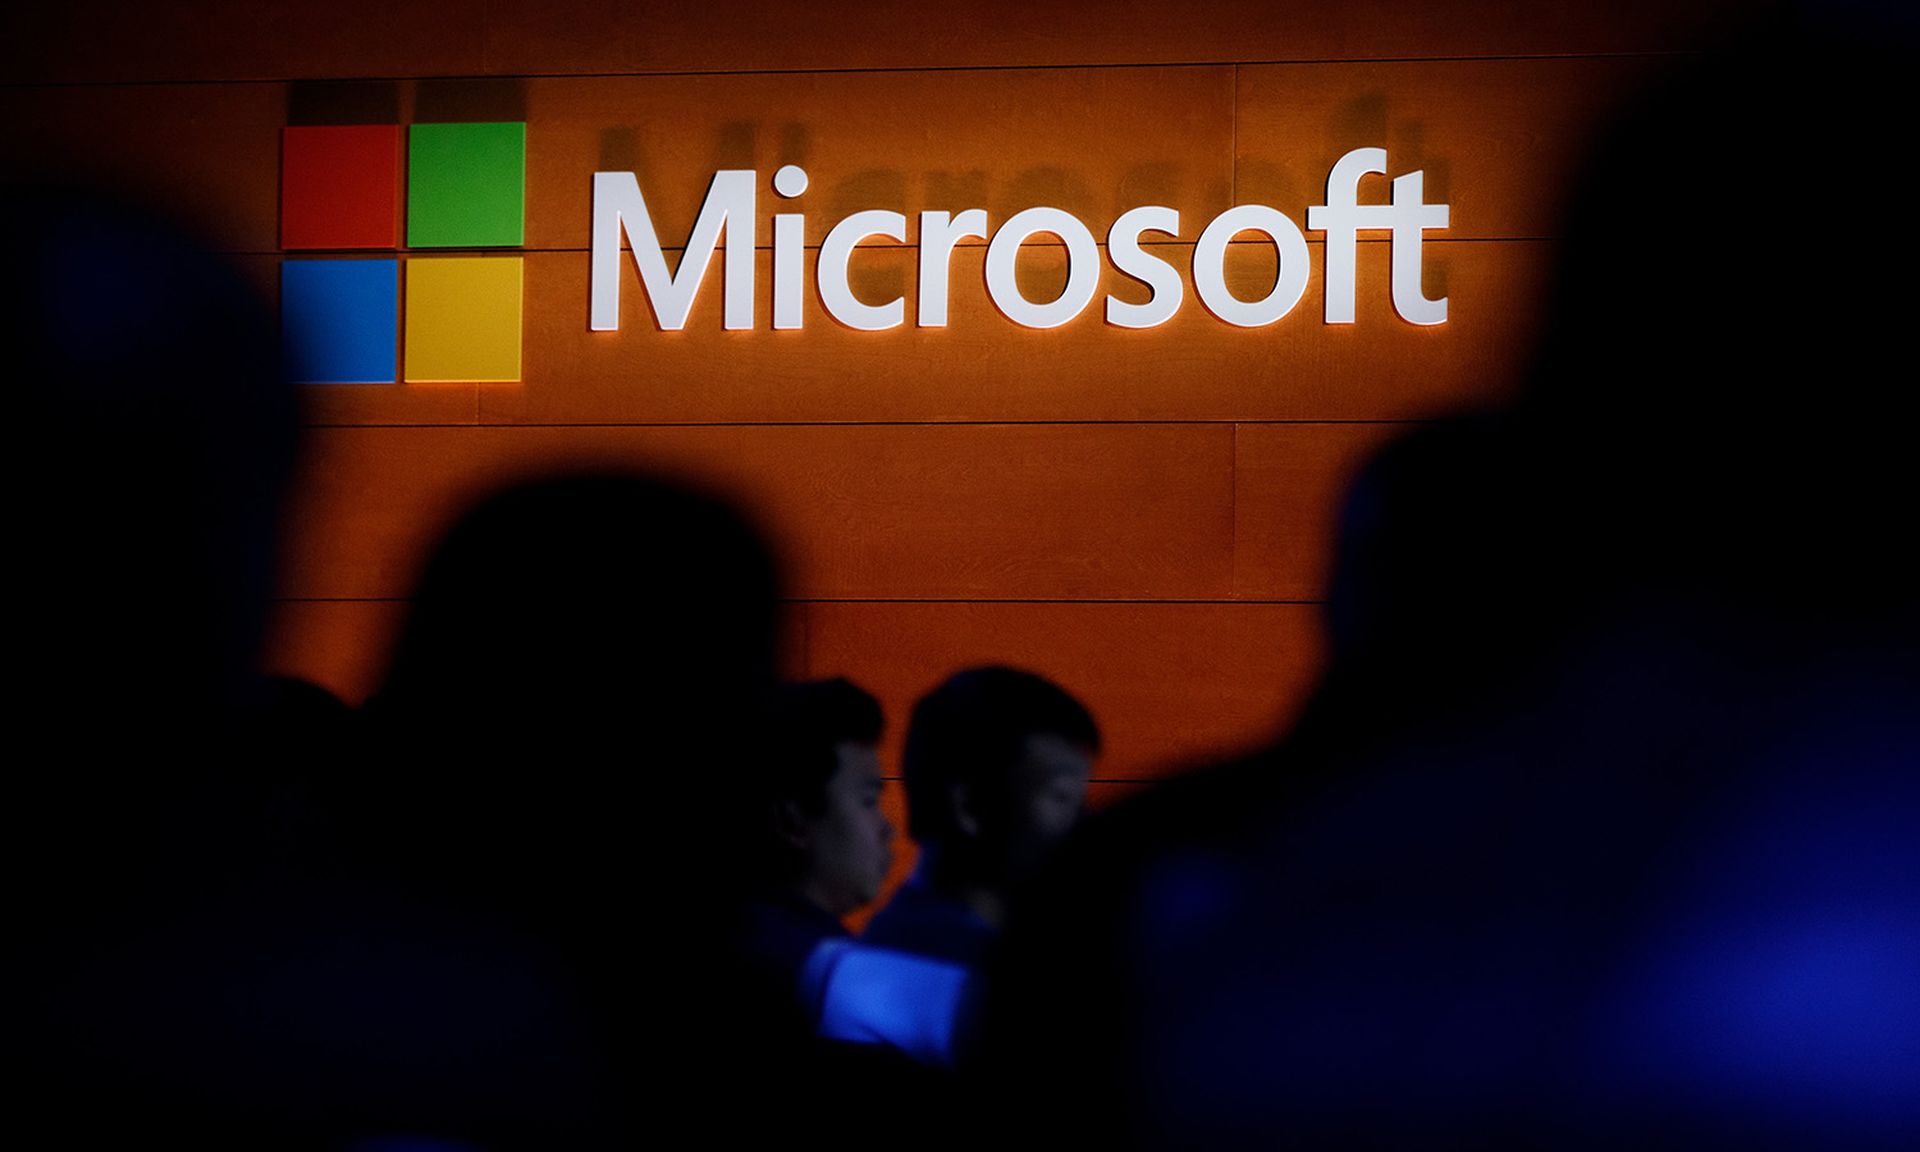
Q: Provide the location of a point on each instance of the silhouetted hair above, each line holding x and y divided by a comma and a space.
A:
609, 598
810, 719
974, 728
582, 648
159, 436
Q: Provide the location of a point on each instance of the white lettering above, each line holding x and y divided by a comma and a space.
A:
1083, 268
620, 218
618, 207
839, 299
1210, 260
1123, 248
1412, 216
789, 251
938, 234
1341, 218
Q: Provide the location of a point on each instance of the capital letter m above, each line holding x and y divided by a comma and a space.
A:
618, 207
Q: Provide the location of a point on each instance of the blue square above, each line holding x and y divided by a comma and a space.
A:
341, 320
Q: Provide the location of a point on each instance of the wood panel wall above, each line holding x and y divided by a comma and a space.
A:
1145, 516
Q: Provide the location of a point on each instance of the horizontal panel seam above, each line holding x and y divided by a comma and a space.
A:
890, 70
868, 600
1227, 751
471, 426
430, 253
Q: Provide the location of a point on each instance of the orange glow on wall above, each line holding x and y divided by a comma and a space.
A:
1145, 515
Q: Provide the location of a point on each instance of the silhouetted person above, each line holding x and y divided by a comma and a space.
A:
155, 438
996, 768
1598, 831
563, 793
827, 843
824, 849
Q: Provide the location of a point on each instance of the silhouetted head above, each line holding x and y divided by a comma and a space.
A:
829, 841
156, 438
577, 696
996, 768
1709, 429
1717, 408
605, 601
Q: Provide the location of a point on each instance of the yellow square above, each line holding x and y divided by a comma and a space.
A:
463, 318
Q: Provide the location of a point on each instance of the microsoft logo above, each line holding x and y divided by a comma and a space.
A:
341, 314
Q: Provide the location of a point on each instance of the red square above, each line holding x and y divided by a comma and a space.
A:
340, 187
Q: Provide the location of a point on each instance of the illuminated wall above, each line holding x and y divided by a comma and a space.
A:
1144, 515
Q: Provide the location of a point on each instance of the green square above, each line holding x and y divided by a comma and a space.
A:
466, 185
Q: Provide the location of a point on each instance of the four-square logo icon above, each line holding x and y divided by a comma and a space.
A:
340, 192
